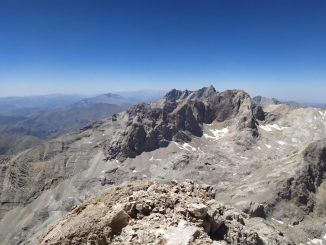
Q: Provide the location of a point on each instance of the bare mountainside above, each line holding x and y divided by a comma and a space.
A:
268, 162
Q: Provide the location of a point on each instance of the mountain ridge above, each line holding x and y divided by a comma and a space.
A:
219, 139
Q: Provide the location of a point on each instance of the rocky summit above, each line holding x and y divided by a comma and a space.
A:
255, 171
151, 213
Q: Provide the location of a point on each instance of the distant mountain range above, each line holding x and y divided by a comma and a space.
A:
263, 101
17, 105
27, 121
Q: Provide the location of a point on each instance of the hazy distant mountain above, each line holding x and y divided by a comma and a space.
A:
27, 121
16, 105
105, 99
12, 143
139, 96
264, 101
316, 105
51, 123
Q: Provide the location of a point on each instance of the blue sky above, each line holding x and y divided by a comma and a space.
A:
274, 48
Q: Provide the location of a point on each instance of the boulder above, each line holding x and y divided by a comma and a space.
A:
118, 220
198, 211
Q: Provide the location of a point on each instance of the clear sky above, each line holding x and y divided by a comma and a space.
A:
274, 48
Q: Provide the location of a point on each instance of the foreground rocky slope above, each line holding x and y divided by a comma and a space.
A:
150, 213
266, 160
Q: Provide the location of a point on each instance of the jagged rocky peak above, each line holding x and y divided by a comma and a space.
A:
180, 117
174, 94
264, 101
302, 189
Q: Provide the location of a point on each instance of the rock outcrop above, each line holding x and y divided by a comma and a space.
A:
301, 188
152, 213
178, 117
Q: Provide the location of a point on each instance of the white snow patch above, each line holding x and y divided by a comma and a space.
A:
135, 171
270, 127
189, 96
268, 146
317, 241
217, 133
278, 221
180, 146
244, 157
258, 147
266, 128
280, 142
155, 159
185, 146
116, 161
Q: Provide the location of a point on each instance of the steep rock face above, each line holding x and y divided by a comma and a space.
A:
303, 186
231, 104
150, 127
23, 181
25, 176
151, 213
